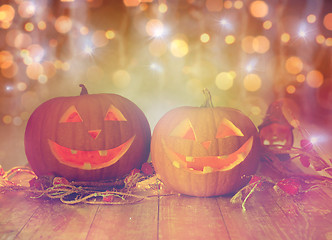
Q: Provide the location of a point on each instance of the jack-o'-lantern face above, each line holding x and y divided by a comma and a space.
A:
88, 137
95, 159
205, 159
205, 151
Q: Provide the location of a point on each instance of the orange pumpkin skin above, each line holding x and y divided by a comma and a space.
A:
203, 156
87, 138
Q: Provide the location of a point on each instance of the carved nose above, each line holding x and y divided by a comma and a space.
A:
94, 133
206, 144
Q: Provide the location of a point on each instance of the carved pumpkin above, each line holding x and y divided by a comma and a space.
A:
88, 137
206, 151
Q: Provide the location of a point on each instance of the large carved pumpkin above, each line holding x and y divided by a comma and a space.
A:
205, 151
88, 137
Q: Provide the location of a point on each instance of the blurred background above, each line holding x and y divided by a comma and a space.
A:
161, 54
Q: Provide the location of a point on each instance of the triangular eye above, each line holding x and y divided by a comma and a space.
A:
184, 130
71, 115
228, 129
114, 114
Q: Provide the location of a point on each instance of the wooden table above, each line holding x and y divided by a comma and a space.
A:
268, 216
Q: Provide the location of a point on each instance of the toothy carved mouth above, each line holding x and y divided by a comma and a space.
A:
89, 160
208, 164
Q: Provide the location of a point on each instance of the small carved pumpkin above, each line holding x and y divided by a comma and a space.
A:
206, 151
89, 137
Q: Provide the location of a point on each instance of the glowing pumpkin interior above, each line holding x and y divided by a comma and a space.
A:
207, 164
89, 160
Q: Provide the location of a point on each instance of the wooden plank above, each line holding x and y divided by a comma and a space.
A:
310, 213
131, 221
15, 211
255, 222
183, 217
55, 220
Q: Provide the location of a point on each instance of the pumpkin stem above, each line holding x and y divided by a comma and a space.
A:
208, 99
84, 90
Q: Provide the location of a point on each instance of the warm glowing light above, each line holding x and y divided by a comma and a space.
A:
88, 50
41, 25
42, 79
229, 39
259, 9
294, 65
290, 89
34, 70
315, 79
6, 59
238, 4
320, 39
300, 78
224, 81
162, 8
302, 33
7, 13
121, 79
205, 38
285, 37
63, 24
157, 47
10, 72
29, 27
228, 4
252, 82
36, 52
156, 67
214, 6
84, 30
179, 48
328, 21
247, 44
7, 119
131, 3
267, 24
26, 9
65, 66
21, 86
99, 38
314, 139
154, 28
110, 34
328, 42
311, 18
261, 44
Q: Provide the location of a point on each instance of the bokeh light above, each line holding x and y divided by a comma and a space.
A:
63, 24
328, 21
261, 44
285, 37
315, 78
294, 65
311, 18
205, 38
259, 9
247, 44
224, 80
155, 28
229, 39
179, 48
167, 51
252, 82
